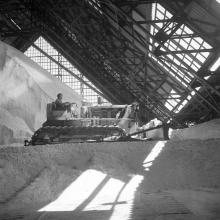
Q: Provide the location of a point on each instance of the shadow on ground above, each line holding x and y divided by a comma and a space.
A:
136, 180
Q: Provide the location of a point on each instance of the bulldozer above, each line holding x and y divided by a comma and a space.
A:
91, 123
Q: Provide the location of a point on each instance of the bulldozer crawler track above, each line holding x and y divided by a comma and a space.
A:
60, 134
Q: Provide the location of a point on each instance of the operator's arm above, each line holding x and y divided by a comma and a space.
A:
66, 103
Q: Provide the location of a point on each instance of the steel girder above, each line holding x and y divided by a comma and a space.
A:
208, 90
19, 36
133, 83
207, 86
93, 60
189, 89
49, 27
111, 47
152, 103
94, 53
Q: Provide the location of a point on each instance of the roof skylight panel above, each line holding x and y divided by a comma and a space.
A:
183, 39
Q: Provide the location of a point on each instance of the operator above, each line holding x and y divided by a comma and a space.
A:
59, 102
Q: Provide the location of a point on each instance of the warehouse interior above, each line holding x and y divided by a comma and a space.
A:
163, 55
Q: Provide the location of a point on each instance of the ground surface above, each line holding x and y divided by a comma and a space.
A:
138, 180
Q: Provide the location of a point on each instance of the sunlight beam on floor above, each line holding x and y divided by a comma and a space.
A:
116, 196
123, 208
148, 162
77, 192
106, 197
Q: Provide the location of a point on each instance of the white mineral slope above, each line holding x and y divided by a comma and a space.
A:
25, 89
148, 180
203, 131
